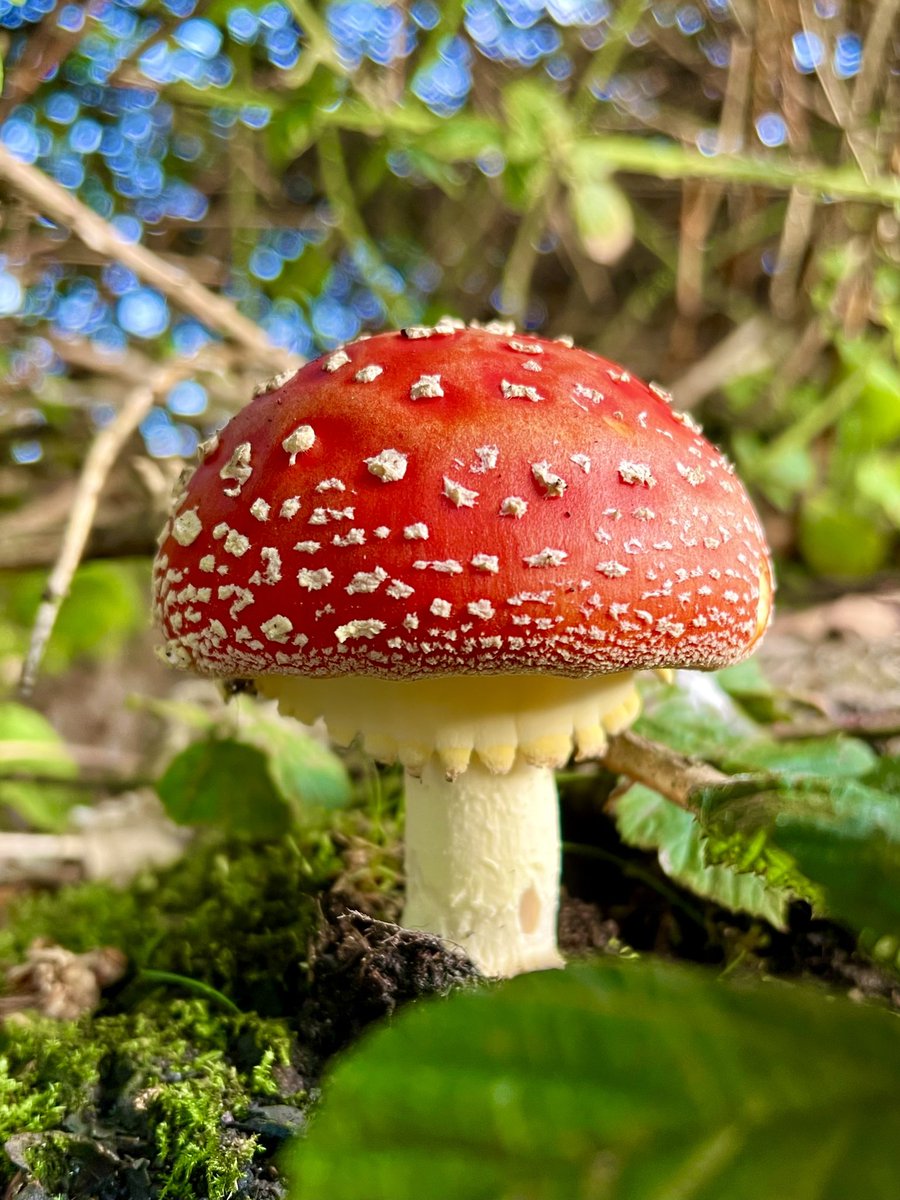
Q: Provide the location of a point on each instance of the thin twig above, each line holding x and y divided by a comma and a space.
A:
91, 758
66, 847
837, 94
749, 347
876, 47
213, 310
795, 239
515, 284
778, 173
104, 852
671, 774
604, 62
871, 726
338, 189
98, 463
701, 200
109, 785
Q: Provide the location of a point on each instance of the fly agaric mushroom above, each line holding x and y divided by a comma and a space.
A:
462, 544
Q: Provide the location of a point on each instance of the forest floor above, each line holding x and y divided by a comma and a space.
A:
237, 974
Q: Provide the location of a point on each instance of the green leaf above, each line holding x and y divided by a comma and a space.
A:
30, 745
646, 819
746, 683
874, 420
860, 875
783, 469
878, 479
224, 783
836, 756
306, 773
603, 219
687, 728
885, 775
525, 182
837, 541
463, 139
842, 834
105, 606
630, 1080
292, 131
587, 160
537, 120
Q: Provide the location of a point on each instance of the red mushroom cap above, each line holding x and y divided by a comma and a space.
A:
455, 500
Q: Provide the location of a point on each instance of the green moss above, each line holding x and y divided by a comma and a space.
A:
169, 1081
237, 916
157, 1093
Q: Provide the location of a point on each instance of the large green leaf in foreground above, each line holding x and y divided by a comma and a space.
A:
630, 1080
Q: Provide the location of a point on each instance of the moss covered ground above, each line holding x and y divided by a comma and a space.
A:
200, 1061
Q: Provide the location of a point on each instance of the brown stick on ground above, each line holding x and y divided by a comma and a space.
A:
667, 772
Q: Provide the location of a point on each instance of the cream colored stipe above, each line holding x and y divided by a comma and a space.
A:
492, 718
482, 864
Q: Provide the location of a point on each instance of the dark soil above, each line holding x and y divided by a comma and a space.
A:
616, 906
363, 970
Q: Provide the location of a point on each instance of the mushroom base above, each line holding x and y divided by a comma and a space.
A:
482, 864
482, 822
496, 719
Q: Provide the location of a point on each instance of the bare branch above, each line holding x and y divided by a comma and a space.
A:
671, 774
751, 346
216, 311
871, 726
877, 46
97, 465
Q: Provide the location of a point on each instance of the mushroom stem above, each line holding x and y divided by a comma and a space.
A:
482, 864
